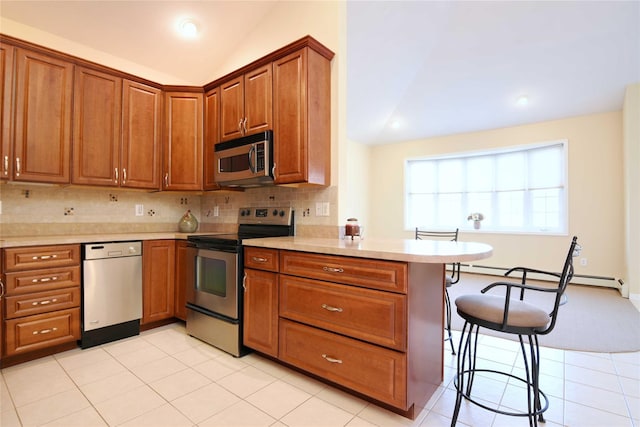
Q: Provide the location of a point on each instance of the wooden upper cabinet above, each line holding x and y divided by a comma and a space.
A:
246, 104
258, 100
97, 113
141, 136
211, 136
6, 92
302, 118
44, 88
183, 141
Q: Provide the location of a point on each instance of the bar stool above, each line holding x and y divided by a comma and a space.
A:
449, 280
511, 316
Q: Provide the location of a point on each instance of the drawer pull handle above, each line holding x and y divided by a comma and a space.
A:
333, 270
45, 302
45, 257
330, 308
45, 331
44, 279
258, 259
331, 359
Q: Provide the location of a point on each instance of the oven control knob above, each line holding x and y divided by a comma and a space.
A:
275, 212
281, 213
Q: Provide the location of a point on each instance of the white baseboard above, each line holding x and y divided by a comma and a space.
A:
607, 282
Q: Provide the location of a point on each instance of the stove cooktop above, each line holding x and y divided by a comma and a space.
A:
254, 223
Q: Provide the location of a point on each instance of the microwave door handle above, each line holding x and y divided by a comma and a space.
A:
252, 152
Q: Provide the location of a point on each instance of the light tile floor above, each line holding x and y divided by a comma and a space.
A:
166, 378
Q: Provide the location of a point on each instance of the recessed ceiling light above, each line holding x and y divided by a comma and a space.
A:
188, 29
395, 124
522, 100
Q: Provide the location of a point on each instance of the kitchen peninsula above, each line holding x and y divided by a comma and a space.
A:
366, 315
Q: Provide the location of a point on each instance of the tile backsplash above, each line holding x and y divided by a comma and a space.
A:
33, 209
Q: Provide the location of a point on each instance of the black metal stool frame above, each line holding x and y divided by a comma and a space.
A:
469, 341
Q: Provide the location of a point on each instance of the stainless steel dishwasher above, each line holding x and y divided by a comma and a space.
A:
111, 292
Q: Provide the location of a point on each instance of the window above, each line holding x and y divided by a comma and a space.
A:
521, 189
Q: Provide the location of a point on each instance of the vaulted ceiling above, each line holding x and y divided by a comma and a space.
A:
416, 69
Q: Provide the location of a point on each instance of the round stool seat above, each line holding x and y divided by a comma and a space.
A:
490, 308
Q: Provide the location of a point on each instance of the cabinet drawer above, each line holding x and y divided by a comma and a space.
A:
36, 257
375, 274
377, 372
42, 280
42, 330
375, 316
42, 302
261, 258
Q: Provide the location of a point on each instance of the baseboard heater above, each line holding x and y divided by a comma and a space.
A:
582, 279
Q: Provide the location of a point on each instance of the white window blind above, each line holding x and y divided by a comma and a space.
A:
520, 189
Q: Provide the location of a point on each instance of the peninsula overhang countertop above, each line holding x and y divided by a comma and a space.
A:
407, 250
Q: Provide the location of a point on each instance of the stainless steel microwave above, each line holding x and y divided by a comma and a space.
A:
245, 161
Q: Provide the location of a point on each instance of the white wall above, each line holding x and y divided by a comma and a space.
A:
596, 200
631, 126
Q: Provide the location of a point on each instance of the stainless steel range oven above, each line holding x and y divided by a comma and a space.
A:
214, 295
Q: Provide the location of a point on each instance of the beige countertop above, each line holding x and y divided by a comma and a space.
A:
408, 250
12, 242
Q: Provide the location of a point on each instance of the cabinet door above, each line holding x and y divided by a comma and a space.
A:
211, 136
260, 325
44, 89
183, 141
185, 258
6, 93
231, 109
258, 100
96, 128
141, 133
302, 118
158, 270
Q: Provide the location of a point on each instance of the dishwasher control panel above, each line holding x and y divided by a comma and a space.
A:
112, 250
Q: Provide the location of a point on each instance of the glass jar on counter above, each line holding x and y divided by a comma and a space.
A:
352, 228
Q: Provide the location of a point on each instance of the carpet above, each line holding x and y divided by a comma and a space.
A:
594, 319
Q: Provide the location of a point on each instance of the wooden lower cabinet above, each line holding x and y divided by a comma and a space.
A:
371, 326
158, 277
377, 372
31, 333
41, 307
260, 324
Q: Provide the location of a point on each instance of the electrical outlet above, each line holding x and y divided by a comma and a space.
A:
216, 211
139, 210
583, 262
